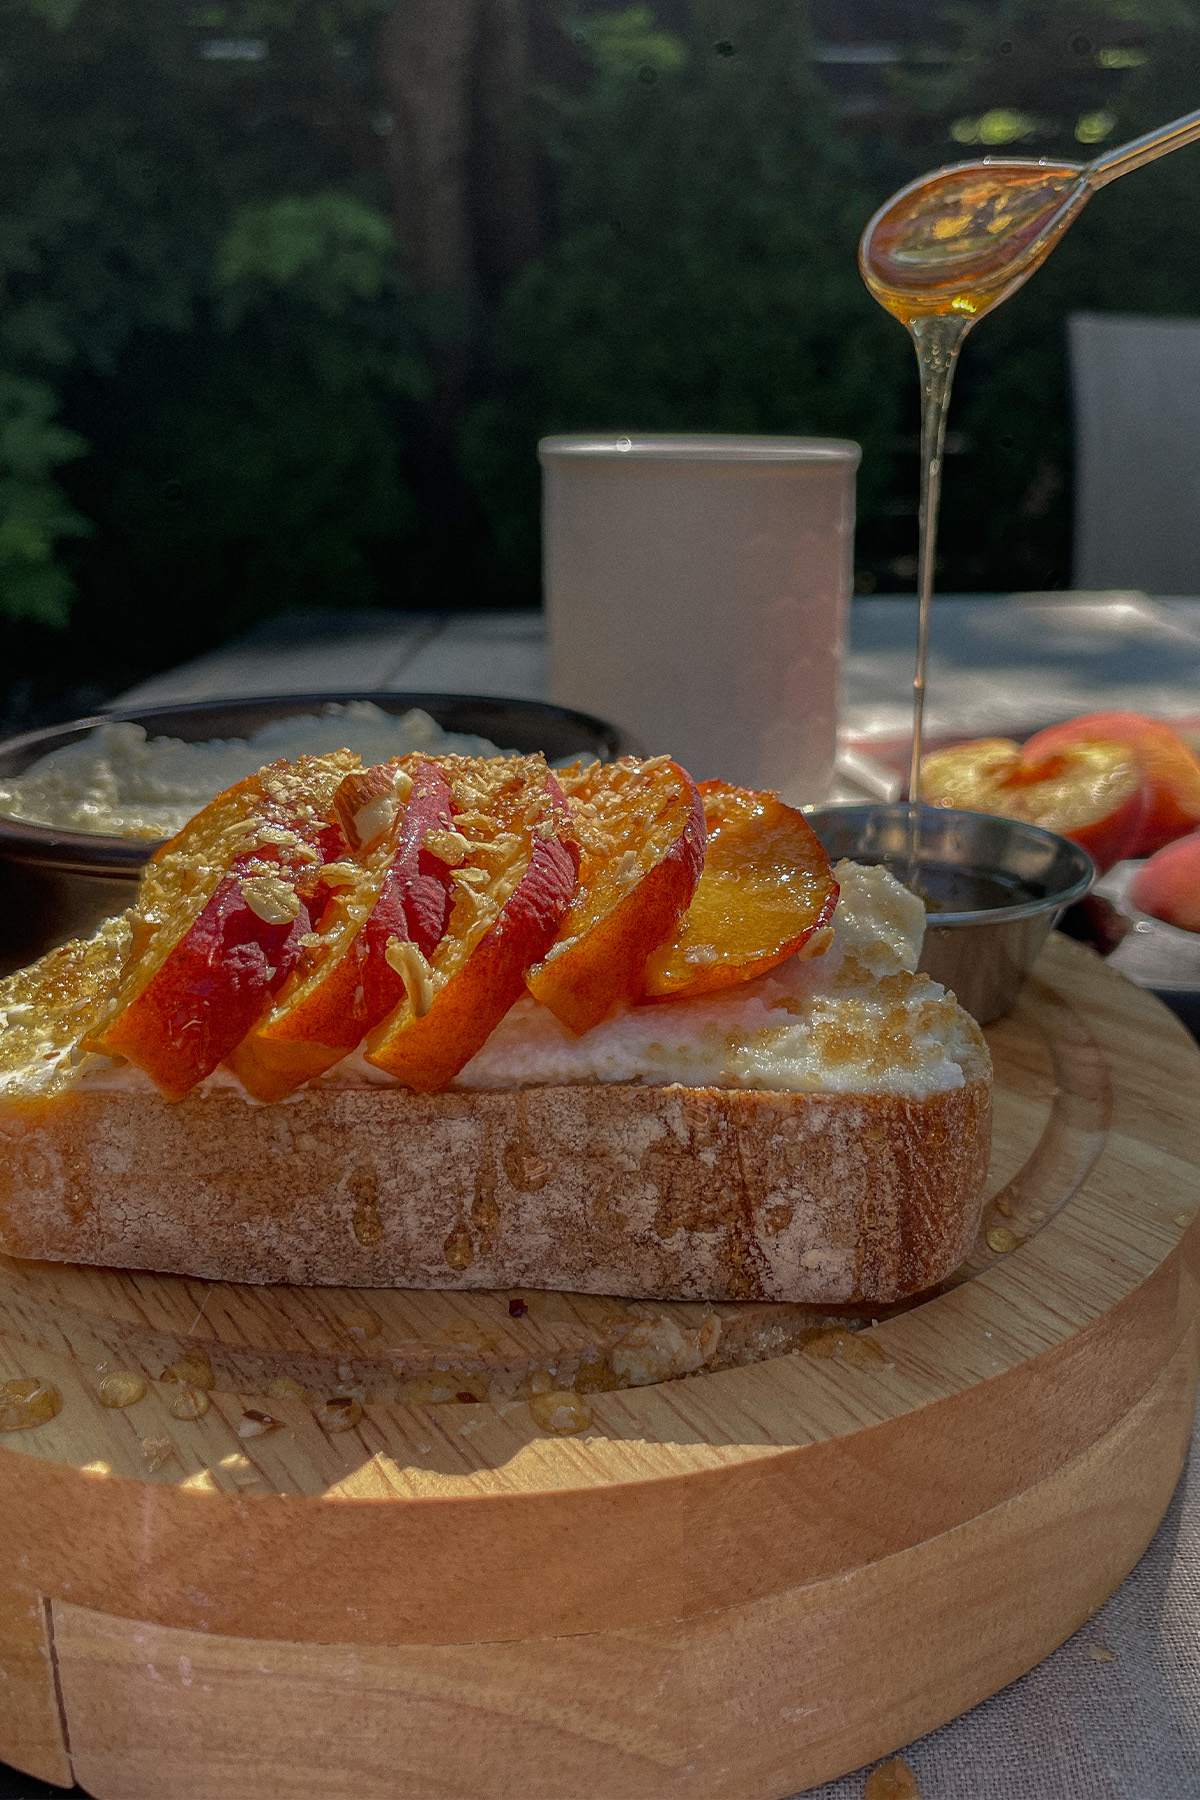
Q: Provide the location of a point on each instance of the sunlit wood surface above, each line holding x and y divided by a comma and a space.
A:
735, 1584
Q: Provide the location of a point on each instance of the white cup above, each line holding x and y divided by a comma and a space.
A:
696, 593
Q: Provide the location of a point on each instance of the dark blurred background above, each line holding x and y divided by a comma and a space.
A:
292, 287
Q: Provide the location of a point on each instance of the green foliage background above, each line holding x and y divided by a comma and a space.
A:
221, 395
703, 275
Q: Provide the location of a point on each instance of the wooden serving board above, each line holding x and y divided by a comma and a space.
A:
515, 1577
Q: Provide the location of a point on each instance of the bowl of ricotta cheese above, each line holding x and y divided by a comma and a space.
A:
84, 806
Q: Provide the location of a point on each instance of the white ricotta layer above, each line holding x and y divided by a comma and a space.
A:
855, 1020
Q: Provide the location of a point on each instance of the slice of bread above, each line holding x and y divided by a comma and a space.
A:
816, 1132
640, 1191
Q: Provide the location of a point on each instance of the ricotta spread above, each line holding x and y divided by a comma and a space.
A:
119, 783
857, 1019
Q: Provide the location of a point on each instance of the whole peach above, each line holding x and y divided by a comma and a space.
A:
1168, 887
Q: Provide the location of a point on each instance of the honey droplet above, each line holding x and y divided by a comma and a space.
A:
189, 1403
861, 1351
125, 1388
1002, 1240
26, 1401
194, 1369
342, 1413
256, 1424
458, 1248
855, 1348
286, 1387
561, 1412
1004, 1208
893, 1780
367, 1224
22, 1387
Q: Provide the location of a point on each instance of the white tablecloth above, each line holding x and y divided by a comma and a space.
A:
1082, 1728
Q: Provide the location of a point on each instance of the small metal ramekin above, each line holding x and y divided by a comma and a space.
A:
982, 952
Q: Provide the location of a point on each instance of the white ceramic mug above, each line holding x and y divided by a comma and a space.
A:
696, 593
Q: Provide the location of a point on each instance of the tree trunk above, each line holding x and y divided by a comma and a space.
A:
505, 168
426, 49
455, 74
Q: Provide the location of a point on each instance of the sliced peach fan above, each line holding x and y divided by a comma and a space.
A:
392, 888
320, 906
641, 833
221, 913
515, 874
767, 893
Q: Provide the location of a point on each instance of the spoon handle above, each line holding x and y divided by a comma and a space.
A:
1145, 149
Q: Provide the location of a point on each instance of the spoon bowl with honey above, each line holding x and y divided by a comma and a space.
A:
962, 239
941, 253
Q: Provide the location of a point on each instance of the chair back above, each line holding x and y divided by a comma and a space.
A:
1136, 392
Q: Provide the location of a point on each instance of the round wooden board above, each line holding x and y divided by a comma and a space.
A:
736, 1584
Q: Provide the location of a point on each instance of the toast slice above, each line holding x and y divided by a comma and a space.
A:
776, 1125
555, 1161
647, 1192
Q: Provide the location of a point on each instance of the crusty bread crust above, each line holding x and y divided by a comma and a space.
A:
643, 1192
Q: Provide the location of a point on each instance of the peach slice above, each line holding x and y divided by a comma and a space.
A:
514, 860
1089, 791
641, 831
219, 920
767, 893
396, 889
1170, 771
1168, 887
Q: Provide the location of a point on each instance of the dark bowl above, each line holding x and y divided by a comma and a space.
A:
57, 884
